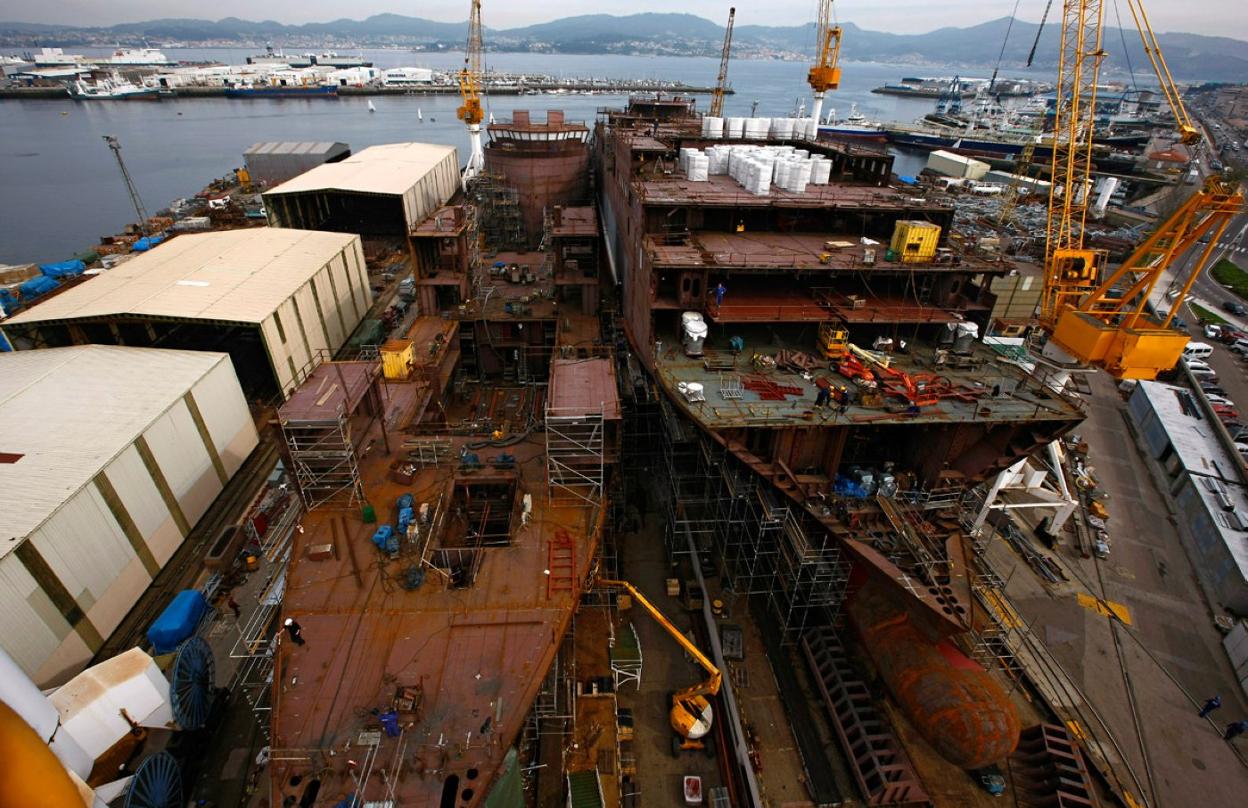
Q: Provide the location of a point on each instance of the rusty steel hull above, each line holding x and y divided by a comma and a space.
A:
543, 177
958, 708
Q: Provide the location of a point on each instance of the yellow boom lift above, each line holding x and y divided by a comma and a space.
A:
691, 713
717, 96
1095, 316
825, 74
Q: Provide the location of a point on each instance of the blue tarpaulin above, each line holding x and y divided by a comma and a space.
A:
146, 243
177, 621
909, 180
37, 286
65, 269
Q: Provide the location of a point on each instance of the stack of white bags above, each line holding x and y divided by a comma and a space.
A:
757, 168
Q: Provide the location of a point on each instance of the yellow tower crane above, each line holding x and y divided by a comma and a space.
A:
825, 74
717, 96
1095, 316
470, 83
691, 714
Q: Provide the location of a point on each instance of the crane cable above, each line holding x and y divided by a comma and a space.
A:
1034, 45
992, 83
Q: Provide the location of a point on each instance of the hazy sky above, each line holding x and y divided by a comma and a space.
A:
1226, 17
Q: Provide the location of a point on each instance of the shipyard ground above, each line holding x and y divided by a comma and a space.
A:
1148, 700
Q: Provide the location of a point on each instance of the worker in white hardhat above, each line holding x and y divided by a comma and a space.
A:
295, 630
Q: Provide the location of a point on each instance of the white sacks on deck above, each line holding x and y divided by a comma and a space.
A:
758, 168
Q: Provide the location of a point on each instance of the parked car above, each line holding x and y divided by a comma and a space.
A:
1213, 331
1236, 308
1197, 364
1239, 346
1227, 410
1219, 400
1230, 336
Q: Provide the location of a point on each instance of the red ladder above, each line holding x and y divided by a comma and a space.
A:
560, 564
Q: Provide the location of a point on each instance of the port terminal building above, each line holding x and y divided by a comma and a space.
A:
276, 300
109, 455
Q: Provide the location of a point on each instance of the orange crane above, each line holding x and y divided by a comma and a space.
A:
1094, 316
825, 74
691, 714
470, 85
717, 96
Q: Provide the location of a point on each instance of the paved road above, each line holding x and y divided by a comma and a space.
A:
1150, 574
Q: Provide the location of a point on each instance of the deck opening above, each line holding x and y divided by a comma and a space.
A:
450, 790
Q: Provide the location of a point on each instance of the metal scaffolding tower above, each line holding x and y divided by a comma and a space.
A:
575, 457
324, 461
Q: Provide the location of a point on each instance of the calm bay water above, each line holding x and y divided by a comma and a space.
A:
62, 189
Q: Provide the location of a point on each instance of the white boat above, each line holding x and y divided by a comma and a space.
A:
114, 88
371, 108
136, 57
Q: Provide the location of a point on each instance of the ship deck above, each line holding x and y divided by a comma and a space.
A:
819, 253
720, 190
461, 664
1020, 398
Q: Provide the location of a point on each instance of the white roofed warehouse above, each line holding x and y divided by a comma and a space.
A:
381, 192
276, 300
108, 458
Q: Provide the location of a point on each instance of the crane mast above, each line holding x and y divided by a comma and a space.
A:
139, 210
470, 81
717, 97
1070, 270
825, 74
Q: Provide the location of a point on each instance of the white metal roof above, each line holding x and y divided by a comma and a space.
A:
296, 147
70, 411
239, 276
393, 168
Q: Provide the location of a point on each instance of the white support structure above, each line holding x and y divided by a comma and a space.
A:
1031, 488
575, 457
476, 155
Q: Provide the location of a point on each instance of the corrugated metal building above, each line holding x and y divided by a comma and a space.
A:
1204, 480
110, 456
382, 191
274, 299
271, 164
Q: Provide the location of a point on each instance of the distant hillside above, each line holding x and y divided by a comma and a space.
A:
1191, 56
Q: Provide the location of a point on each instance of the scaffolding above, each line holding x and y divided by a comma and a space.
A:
324, 460
745, 529
575, 457
498, 209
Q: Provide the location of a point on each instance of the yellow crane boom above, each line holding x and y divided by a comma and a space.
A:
825, 74
1188, 133
717, 96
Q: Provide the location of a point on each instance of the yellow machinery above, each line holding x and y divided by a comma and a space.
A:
691, 713
470, 80
717, 96
1095, 316
915, 241
825, 74
833, 340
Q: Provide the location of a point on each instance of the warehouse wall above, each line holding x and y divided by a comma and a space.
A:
433, 191
66, 588
320, 316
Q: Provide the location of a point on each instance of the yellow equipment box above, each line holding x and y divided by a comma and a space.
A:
915, 241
